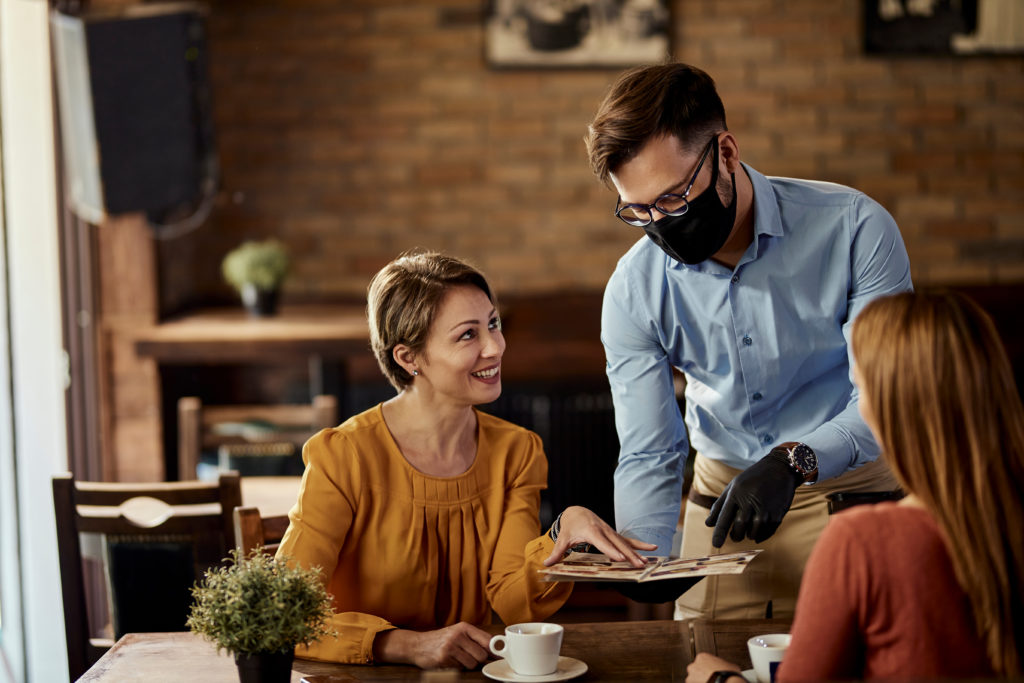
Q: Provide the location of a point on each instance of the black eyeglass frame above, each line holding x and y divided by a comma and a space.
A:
639, 223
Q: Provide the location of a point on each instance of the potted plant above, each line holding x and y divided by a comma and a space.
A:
256, 270
259, 608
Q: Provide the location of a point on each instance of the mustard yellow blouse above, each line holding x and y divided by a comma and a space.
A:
403, 549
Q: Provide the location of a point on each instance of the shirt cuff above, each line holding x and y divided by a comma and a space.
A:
354, 642
834, 451
659, 536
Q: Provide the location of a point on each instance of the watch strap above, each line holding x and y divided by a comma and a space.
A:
781, 455
789, 452
555, 527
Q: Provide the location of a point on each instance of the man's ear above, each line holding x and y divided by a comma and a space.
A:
405, 357
729, 151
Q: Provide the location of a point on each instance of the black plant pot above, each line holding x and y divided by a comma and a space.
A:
265, 667
259, 302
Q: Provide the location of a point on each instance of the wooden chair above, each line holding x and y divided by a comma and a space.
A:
156, 540
202, 428
252, 530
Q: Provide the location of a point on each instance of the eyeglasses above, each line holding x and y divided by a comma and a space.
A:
639, 215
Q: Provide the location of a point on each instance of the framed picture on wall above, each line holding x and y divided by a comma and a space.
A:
576, 33
944, 27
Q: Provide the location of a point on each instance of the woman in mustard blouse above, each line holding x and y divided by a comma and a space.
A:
423, 511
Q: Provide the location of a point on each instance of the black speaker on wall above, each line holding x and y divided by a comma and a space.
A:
135, 111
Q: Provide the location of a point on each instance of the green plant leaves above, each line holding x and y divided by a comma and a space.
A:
264, 264
260, 604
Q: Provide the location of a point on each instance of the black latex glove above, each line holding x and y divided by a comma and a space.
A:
755, 502
665, 590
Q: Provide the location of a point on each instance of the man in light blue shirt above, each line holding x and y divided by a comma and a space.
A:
748, 286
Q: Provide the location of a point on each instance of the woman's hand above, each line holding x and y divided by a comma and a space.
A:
705, 664
580, 525
460, 645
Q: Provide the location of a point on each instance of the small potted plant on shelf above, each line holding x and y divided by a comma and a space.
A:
256, 270
259, 608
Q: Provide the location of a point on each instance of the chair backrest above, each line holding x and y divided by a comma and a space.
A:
252, 530
157, 539
205, 427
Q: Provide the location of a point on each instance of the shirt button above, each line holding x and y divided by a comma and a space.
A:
747, 341
757, 396
768, 438
735, 279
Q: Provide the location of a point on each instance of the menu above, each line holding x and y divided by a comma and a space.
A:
598, 567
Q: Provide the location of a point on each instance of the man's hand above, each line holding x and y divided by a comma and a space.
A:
755, 502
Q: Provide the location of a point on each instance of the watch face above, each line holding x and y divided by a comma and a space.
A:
803, 459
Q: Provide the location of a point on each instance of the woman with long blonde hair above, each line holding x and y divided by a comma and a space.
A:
931, 587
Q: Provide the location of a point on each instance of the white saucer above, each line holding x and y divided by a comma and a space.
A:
749, 675
567, 668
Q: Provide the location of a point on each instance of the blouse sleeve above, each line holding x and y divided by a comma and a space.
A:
827, 644
515, 589
318, 526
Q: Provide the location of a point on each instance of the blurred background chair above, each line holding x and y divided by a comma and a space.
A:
129, 554
252, 530
251, 439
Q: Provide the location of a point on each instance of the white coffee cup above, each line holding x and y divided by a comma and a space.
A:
530, 649
766, 653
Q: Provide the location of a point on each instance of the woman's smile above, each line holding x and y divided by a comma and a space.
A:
462, 356
490, 375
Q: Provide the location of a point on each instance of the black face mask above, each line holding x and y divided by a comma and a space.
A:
701, 232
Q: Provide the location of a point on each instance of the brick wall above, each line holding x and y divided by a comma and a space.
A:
356, 130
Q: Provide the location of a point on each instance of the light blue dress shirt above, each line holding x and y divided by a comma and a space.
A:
764, 346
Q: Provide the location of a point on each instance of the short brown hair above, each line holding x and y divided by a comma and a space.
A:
402, 301
648, 102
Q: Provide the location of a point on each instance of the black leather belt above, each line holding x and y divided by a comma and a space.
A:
700, 499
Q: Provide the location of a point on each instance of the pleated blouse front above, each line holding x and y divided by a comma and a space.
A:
400, 548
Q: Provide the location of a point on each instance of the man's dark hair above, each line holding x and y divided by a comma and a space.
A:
648, 102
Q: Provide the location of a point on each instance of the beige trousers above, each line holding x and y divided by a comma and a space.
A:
774, 576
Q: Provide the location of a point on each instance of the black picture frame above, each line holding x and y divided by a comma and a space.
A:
943, 27
576, 33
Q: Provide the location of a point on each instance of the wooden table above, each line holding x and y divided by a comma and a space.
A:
230, 335
620, 651
727, 638
272, 495
321, 341
626, 651
324, 336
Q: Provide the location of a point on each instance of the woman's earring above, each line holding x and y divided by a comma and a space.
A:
415, 373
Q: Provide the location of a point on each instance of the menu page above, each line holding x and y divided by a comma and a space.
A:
598, 567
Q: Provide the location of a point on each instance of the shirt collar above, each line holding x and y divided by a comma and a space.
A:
766, 209
766, 222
